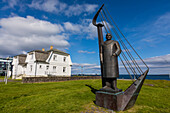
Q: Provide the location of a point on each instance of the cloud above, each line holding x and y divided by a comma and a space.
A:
48, 5
56, 6
81, 51
45, 17
153, 32
73, 27
158, 61
29, 25
85, 68
157, 65
84, 30
11, 3
18, 34
78, 9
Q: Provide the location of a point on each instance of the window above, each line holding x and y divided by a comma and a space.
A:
47, 67
64, 69
30, 67
40, 66
64, 59
54, 68
55, 57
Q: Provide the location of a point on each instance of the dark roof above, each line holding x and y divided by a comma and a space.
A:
40, 51
41, 56
58, 52
22, 59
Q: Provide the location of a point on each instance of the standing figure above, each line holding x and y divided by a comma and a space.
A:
110, 50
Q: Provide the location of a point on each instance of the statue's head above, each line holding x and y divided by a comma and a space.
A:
108, 36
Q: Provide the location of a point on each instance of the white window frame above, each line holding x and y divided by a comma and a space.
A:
55, 69
55, 57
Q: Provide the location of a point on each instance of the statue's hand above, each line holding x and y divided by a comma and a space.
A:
114, 54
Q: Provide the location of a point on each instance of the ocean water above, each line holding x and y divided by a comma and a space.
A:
152, 77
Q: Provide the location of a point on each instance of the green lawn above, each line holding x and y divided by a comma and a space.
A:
74, 96
2, 77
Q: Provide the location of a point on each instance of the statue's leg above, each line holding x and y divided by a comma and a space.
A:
110, 83
114, 84
106, 82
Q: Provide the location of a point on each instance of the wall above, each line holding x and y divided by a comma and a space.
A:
30, 62
55, 79
59, 63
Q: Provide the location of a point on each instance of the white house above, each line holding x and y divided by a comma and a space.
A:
42, 63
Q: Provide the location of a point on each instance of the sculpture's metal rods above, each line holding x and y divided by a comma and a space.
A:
127, 61
130, 66
124, 56
125, 38
127, 51
126, 69
124, 46
103, 23
119, 56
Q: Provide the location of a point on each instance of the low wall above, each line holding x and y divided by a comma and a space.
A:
55, 79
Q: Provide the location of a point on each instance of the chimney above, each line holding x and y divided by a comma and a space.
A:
51, 47
43, 49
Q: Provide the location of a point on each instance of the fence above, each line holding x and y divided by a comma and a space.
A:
55, 79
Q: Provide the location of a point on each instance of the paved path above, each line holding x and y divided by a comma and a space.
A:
2, 80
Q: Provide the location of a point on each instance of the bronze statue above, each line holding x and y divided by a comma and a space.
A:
111, 50
109, 96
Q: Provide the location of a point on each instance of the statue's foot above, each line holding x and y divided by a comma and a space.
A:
118, 90
109, 89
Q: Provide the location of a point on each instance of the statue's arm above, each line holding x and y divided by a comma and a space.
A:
118, 51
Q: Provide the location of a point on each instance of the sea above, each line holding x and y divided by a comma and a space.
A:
151, 77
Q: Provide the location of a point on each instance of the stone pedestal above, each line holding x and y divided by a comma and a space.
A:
109, 100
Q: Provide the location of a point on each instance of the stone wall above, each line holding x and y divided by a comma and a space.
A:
56, 79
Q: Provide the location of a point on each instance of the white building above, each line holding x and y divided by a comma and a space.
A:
39, 63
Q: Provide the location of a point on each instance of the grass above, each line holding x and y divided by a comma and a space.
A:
74, 96
2, 77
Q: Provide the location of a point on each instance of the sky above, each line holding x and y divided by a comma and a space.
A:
27, 25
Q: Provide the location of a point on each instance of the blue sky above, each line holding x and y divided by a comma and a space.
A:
27, 25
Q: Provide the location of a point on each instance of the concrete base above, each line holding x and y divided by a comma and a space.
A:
109, 100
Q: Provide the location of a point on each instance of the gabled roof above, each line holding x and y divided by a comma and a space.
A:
41, 56
22, 58
58, 52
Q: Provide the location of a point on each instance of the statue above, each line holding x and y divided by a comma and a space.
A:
110, 50
109, 96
